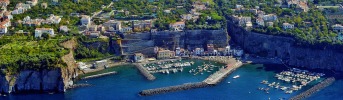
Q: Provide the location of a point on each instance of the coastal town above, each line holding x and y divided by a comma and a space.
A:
76, 41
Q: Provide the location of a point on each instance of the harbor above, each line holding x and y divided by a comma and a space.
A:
129, 84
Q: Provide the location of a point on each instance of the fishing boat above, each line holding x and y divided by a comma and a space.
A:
237, 76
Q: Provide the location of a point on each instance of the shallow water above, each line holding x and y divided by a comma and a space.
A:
129, 82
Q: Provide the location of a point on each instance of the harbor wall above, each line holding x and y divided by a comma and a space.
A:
162, 90
314, 89
145, 72
288, 49
100, 75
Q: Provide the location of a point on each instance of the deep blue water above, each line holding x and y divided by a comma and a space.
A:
129, 82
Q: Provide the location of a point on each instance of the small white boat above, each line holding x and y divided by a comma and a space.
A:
229, 82
237, 76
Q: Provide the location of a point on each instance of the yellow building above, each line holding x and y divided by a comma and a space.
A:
165, 54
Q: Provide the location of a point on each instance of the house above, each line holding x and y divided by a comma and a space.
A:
52, 19
3, 30
112, 25
32, 2
227, 50
138, 57
199, 6
301, 4
210, 47
142, 25
199, 51
242, 20
269, 17
4, 24
177, 26
337, 28
248, 24
287, 26
64, 29
165, 54
40, 31
260, 21
4, 3
167, 11
44, 5
85, 20
92, 34
239, 6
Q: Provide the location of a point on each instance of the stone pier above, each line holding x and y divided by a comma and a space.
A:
145, 72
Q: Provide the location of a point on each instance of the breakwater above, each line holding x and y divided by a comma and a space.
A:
99, 75
162, 90
80, 85
222, 73
145, 72
314, 89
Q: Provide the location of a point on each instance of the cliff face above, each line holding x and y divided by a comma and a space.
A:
287, 49
190, 39
48, 80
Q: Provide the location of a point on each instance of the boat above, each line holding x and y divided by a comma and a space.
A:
229, 82
237, 76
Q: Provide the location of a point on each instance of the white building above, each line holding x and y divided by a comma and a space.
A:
199, 51
227, 50
337, 28
269, 17
288, 26
138, 57
40, 31
85, 20
178, 51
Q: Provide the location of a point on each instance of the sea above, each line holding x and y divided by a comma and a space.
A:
128, 82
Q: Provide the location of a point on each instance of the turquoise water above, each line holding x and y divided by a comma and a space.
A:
129, 82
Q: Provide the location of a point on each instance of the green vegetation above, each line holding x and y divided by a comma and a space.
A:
23, 53
88, 50
310, 27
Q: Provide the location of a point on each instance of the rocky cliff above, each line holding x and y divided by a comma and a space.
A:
189, 39
286, 48
48, 80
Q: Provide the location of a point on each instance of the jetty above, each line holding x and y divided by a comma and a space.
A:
162, 90
99, 75
145, 72
314, 89
222, 73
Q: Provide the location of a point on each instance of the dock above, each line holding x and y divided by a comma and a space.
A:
162, 90
314, 89
99, 75
145, 72
216, 77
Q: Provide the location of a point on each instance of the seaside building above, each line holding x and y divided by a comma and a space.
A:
227, 50
165, 54
101, 63
138, 57
199, 51
210, 48
40, 31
